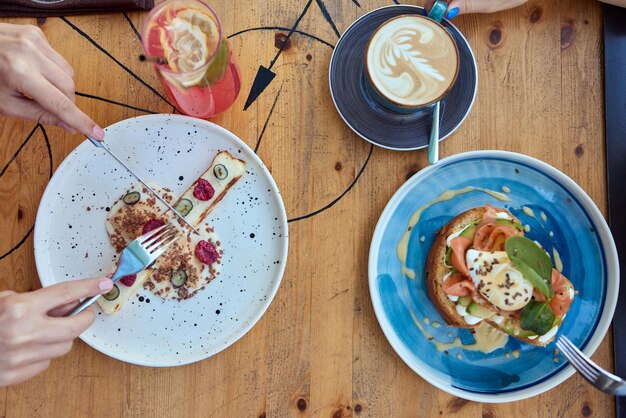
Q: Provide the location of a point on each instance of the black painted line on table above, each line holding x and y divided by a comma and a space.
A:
291, 31
4, 169
108, 54
28, 138
356, 3
267, 121
328, 17
102, 99
132, 26
19, 244
396, 1
282, 28
337, 199
48, 146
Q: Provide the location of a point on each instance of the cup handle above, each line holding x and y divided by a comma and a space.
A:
438, 11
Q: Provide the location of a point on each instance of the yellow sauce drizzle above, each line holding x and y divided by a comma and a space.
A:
528, 211
506, 189
558, 264
543, 217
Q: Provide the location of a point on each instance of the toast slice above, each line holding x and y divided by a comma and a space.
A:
224, 171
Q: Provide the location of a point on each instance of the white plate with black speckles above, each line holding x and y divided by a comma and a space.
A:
171, 150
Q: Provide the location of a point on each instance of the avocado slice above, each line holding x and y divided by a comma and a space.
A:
464, 300
510, 222
512, 329
479, 311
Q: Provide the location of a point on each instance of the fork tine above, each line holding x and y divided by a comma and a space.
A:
156, 252
149, 236
589, 365
575, 357
161, 238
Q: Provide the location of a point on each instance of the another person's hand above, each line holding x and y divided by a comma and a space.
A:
32, 330
36, 81
457, 7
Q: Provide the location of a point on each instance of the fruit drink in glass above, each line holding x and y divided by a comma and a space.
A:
195, 63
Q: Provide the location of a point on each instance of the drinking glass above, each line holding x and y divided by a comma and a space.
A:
192, 58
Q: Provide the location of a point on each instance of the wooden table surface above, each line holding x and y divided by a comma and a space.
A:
318, 350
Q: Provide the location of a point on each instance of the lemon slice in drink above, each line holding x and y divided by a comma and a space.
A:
193, 36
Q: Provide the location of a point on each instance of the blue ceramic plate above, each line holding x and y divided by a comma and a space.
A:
563, 218
375, 123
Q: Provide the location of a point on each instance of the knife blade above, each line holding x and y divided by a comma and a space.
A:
101, 144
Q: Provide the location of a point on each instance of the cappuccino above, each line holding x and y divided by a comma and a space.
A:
411, 61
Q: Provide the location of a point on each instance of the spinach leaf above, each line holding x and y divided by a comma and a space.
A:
537, 317
532, 262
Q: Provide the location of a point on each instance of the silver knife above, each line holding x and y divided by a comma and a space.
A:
101, 144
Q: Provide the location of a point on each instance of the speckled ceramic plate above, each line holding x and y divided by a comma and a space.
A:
559, 215
171, 150
373, 122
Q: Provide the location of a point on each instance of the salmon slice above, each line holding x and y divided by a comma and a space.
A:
457, 285
561, 301
459, 245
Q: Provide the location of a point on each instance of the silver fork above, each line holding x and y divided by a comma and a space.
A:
594, 374
137, 255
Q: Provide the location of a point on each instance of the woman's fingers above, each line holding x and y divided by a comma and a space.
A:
26, 108
59, 105
59, 311
58, 78
39, 353
63, 293
59, 330
13, 377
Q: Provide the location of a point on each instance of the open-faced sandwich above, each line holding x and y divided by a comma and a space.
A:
189, 264
482, 268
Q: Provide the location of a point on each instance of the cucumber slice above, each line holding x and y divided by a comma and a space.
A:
220, 171
113, 293
479, 311
447, 261
465, 300
131, 198
184, 206
179, 278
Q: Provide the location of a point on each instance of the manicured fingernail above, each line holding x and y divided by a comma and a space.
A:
453, 13
97, 133
105, 285
67, 127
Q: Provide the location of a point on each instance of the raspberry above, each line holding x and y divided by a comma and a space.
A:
203, 190
151, 225
206, 252
128, 280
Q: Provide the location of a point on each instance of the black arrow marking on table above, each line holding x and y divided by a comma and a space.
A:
4, 169
265, 75
327, 16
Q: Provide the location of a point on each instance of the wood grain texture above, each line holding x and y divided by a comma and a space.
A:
318, 351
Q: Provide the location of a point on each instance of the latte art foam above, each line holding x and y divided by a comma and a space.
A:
412, 60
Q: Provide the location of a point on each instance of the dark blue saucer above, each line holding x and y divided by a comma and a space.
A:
377, 124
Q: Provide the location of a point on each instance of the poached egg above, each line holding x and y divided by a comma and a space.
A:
497, 280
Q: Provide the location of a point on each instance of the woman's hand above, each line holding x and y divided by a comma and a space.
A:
36, 81
32, 330
457, 7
